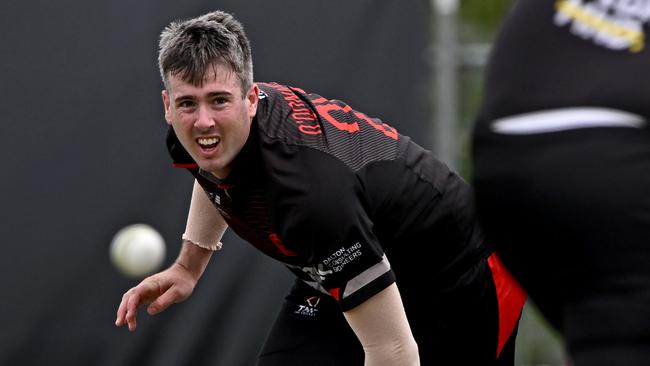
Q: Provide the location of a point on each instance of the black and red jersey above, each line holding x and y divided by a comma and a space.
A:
342, 199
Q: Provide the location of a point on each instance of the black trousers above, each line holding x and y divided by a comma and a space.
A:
459, 327
569, 214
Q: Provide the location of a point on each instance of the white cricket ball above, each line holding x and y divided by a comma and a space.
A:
137, 250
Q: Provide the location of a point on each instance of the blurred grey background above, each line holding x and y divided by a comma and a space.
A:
83, 151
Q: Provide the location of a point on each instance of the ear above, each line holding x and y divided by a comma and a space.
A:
167, 105
253, 98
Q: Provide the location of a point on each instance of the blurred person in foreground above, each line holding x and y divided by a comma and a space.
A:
391, 267
561, 153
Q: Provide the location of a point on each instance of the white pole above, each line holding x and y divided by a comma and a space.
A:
445, 57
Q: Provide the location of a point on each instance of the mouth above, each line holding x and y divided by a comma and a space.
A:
208, 143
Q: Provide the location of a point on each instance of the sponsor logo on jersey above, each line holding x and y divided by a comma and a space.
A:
309, 308
613, 24
335, 262
342, 257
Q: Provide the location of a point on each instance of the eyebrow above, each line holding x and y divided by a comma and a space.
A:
210, 95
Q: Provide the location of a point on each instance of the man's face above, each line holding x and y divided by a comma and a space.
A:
213, 121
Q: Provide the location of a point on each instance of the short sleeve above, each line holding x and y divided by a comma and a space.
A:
321, 215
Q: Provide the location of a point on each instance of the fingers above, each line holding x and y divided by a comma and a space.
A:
127, 312
159, 291
163, 301
132, 305
121, 310
128, 309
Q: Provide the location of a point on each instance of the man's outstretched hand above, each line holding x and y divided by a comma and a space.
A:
160, 290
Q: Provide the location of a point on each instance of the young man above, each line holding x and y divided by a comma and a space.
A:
391, 267
562, 169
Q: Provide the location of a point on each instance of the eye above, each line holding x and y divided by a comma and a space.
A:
185, 104
220, 100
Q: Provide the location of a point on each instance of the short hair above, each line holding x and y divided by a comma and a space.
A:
190, 48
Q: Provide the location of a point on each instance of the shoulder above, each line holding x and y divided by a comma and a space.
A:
311, 181
285, 114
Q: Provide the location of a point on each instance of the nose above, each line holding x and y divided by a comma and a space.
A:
204, 121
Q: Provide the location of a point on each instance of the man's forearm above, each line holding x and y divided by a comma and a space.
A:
193, 259
381, 325
205, 226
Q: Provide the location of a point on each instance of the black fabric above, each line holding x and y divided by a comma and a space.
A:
310, 330
459, 327
567, 212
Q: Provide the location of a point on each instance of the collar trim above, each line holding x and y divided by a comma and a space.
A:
186, 166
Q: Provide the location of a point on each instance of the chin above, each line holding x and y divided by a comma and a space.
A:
206, 166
